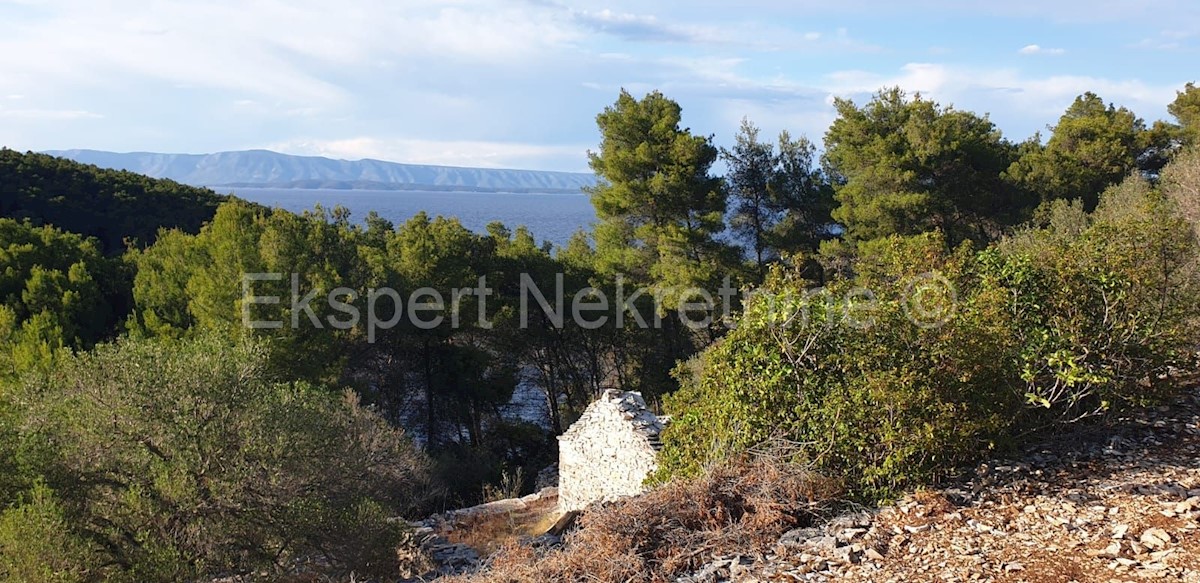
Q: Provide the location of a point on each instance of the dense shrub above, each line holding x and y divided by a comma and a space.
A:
1181, 184
1100, 304
871, 396
179, 460
57, 291
14, 480
1061, 323
37, 545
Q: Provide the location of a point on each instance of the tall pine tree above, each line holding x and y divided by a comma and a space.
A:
658, 206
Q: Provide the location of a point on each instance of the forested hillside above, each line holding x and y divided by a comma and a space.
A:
111, 205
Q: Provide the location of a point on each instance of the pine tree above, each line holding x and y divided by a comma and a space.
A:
658, 206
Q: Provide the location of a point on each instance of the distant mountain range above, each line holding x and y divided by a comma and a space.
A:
266, 169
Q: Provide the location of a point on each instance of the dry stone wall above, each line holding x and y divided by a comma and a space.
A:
609, 452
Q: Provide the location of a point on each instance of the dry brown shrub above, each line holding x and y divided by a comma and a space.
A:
489, 532
1181, 182
738, 508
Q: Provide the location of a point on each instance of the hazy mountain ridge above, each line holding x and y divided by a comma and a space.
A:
266, 168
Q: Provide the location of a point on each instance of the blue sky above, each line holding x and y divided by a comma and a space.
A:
518, 83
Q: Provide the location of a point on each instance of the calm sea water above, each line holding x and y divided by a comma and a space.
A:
550, 217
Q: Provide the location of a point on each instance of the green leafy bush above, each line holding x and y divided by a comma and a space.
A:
1100, 303
185, 459
949, 354
36, 543
57, 291
870, 395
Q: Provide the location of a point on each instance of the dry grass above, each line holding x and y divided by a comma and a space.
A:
488, 533
738, 508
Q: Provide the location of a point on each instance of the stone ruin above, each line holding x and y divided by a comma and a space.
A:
608, 453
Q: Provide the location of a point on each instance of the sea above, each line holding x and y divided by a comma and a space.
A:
550, 217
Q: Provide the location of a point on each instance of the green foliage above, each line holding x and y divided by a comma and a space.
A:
1093, 146
660, 211
1060, 323
905, 166
752, 165
781, 202
185, 459
657, 204
568, 362
160, 285
57, 292
1186, 110
38, 545
456, 375
1101, 302
894, 354
455, 370
871, 396
195, 282
802, 193
111, 205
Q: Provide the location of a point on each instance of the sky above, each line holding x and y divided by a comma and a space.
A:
518, 83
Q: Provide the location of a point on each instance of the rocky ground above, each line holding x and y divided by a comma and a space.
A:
455, 541
1113, 504
1122, 505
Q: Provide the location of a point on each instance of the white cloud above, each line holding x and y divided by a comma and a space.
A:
1039, 50
647, 27
294, 51
1167, 40
47, 114
737, 31
914, 77
1059, 11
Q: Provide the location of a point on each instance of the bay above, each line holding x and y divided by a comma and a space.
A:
550, 217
